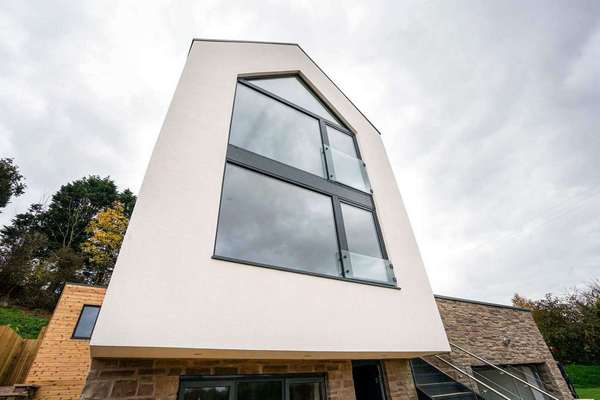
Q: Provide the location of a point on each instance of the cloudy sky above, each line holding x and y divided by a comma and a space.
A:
490, 112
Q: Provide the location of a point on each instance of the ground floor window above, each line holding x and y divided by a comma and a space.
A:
508, 385
253, 387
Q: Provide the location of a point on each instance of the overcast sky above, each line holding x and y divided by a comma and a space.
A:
490, 112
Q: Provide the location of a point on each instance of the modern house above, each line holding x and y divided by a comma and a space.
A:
270, 257
269, 226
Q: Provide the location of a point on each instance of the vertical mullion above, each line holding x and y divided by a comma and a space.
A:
342, 239
329, 173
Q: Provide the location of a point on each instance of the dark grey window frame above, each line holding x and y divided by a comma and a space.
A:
192, 381
338, 192
79, 320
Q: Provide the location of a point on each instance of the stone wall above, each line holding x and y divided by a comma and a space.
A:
399, 381
499, 334
61, 364
144, 379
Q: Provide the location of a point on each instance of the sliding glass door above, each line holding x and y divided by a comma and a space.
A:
253, 387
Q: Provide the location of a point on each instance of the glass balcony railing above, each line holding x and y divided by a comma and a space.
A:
360, 266
347, 169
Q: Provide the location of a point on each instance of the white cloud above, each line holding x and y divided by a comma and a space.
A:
489, 112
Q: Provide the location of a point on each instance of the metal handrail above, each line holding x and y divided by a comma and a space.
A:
526, 374
504, 371
485, 385
494, 384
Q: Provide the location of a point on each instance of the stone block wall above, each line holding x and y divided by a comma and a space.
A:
500, 335
399, 380
144, 379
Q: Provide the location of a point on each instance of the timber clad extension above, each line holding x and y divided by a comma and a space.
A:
62, 363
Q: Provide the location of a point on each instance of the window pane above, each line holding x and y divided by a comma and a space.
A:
305, 391
86, 323
365, 267
272, 129
260, 390
365, 256
341, 141
295, 91
267, 221
207, 393
347, 170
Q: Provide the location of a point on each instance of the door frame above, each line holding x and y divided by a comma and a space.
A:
191, 381
382, 375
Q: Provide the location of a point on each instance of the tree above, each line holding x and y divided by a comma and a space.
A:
73, 206
11, 181
570, 324
18, 263
106, 231
40, 249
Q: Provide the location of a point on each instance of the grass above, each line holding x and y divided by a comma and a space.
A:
586, 379
26, 323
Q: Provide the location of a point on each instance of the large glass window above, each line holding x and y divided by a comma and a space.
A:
86, 322
292, 172
272, 387
265, 390
267, 127
343, 163
208, 392
304, 390
268, 221
364, 257
292, 89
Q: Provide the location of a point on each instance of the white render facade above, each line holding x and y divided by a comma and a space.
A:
170, 297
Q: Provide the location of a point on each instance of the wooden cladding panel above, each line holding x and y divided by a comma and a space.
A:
16, 355
62, 364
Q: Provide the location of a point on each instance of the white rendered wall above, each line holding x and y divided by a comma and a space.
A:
169, 298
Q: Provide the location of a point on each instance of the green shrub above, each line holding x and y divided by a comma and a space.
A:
26, 324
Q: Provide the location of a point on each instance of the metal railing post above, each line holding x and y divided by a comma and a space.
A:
504, 371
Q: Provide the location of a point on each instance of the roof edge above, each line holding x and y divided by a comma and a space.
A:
481, 303
305, 53
240, 41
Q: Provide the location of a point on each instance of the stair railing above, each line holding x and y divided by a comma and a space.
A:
485, 385
504, 371
515, 396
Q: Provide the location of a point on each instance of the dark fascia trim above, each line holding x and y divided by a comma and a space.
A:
481, 303
301, 272
305, 53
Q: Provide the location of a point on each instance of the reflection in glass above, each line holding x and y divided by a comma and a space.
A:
347, 170
207, 393
508, 385
269, 390
267, 221
295, 91
305, 391
341, 141
366, 267
272, 129
365, 254
86, 322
